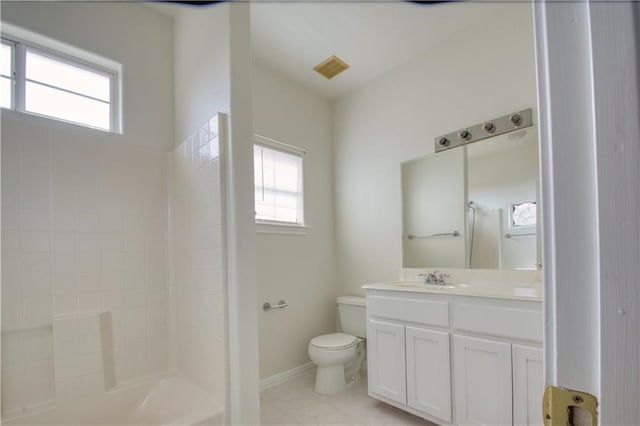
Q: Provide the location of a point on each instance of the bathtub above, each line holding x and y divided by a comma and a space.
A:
169, 400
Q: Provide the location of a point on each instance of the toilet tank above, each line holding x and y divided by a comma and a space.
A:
353, 316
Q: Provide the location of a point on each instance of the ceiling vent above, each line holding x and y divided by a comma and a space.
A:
331, 67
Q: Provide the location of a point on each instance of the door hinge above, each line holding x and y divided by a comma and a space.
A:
569, 407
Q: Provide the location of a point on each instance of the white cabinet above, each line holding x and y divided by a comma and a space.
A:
482, 381
528, 386
428, 372
456, 359
386, 354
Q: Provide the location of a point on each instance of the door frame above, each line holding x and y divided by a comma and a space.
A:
588, 87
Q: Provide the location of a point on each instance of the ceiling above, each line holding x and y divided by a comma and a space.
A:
372, 37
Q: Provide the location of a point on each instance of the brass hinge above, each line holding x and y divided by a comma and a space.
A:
568, 407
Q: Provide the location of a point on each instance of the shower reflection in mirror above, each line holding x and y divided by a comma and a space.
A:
489, 189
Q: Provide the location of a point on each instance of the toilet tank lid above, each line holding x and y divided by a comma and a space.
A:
352, 300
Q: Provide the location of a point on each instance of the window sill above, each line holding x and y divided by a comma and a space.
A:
280, 228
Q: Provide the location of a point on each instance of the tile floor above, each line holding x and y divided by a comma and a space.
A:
295, 403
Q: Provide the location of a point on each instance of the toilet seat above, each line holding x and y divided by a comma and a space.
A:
334, 341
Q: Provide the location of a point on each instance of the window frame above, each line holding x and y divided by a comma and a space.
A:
12, 74
23, 41
282, 227
521, 229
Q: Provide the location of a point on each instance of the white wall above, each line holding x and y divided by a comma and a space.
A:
118, 32
83, 210
202, 82
83, 231
197, 269
297, 268
479, 74
212, 74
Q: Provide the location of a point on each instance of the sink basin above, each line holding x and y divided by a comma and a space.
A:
419, 284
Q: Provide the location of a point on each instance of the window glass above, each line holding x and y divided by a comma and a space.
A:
65, 76
6, 53
5, 92
278, 186
5, 60
53, 84
523, 214
66, 106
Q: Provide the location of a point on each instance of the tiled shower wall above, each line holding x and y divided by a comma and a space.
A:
83, 230
197, 259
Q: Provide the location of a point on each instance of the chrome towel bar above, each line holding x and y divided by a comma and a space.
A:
267, 306
507, 235
453, 234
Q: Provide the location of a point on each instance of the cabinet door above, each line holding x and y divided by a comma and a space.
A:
528, 385
429, 372
386, 353
482, 370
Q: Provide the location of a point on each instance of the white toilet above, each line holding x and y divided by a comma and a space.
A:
339, 355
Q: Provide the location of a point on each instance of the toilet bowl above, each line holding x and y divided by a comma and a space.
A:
339, 355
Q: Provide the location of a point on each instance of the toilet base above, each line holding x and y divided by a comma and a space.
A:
330, 379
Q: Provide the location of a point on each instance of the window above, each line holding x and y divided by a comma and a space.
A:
6, 75
522, 215
278, 171
53, 84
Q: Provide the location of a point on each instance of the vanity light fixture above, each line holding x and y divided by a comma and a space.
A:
498, 126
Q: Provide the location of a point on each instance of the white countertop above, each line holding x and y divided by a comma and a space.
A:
532, 292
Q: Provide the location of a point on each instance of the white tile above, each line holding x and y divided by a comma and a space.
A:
36, 284
136, 320
36, 195
10, 240
89, 263
35, 241
134, 299
36, 220
113, 261
112, 300
10, 216
113, 281
112, 242
65, 303
111, 220
133, 231
15, 390
13, 349
63, 199
295, 402
90, 302
37, 263
38, 346
88, 220
64, 283
38, 310
64, 263
12, 314
63, 219
89, 283
63, 241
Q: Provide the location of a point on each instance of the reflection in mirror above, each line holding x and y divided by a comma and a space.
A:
474, 206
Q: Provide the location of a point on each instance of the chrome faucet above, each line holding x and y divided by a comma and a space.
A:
429, 278
435, 277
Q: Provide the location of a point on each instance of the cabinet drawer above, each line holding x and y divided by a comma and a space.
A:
499, 321
427, 312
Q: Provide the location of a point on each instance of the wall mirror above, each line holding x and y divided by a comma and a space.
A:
475, 206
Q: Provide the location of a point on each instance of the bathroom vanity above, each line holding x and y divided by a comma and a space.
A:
457, 353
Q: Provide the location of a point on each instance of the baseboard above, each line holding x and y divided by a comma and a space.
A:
279, 378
